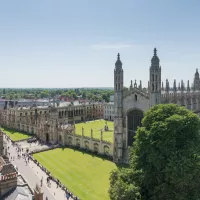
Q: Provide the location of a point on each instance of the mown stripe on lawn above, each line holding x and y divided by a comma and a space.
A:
85, 178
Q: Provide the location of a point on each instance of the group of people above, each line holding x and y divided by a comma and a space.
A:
57, 181
26, 155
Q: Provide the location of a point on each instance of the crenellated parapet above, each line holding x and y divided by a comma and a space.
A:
189, 99
135, 89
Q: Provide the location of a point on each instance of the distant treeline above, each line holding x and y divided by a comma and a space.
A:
96, 94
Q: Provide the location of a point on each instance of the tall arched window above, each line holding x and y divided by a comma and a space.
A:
135, 97
118, 86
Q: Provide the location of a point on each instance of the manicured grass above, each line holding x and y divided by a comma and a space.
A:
84, 175
96, 125
15, 135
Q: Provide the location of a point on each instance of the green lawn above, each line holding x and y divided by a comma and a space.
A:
96, 126
84, 175
15, 135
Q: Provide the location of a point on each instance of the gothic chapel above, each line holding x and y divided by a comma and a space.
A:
131, 103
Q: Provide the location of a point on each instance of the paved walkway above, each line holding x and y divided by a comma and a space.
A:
33, 174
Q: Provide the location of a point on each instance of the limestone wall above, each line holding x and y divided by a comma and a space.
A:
93, 144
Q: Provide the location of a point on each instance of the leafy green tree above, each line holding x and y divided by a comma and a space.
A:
122, 187
165, 157
44, 94
83, 95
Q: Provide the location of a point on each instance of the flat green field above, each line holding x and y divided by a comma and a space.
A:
96, 125
14, 135
84, 175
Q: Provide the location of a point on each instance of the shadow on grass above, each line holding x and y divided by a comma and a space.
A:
95, 154
88, 152
108, 131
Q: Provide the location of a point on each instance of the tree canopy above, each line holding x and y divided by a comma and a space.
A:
95, 94
164, 159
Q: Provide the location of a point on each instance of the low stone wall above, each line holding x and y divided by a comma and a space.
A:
46, 149
93, 144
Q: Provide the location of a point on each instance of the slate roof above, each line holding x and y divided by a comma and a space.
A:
7, 169
19, 193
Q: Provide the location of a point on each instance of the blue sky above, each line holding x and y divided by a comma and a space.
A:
74, 43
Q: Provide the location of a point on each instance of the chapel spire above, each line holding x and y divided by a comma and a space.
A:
162, 86
174, 86
188, 86
167, 86
155, 52
118, 56
155, 80
118, 63
182, 86
155, 60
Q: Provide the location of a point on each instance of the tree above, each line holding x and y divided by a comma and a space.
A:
165, 157
121, 189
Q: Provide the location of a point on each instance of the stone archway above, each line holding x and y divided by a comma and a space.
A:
47, 137
134, 120
106, 150
70, 141
86, 144
32, 130
96, 147
78, 142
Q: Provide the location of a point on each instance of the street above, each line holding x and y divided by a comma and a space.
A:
33, 175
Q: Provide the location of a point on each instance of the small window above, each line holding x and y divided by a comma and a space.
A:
152, 87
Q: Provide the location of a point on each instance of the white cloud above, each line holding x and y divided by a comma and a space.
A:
110, 46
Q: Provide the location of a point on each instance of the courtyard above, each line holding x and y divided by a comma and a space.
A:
96, 125
15, 135
84, 175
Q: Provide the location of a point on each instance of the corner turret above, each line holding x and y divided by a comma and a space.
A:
118, 105
155, 80
174, 86
196, 84
188, 86
118, 64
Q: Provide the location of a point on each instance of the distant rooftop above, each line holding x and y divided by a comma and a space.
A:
21, 192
